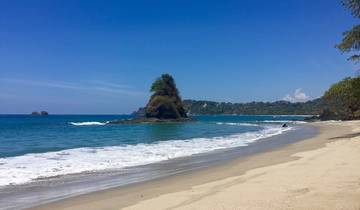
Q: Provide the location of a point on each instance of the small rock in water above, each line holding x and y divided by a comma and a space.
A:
42, 113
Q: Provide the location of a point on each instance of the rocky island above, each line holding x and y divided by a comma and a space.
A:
165, 104
42, 113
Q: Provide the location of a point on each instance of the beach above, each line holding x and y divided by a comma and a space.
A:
186, 105
322, 172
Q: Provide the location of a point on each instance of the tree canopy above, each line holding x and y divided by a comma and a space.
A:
351, 38
353, 6
164, 85
351, 42
313, 107
344, 97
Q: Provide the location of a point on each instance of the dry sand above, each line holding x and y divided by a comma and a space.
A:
322, 172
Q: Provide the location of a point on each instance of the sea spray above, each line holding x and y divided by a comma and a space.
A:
86, 123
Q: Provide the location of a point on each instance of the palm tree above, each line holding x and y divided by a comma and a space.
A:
351, 39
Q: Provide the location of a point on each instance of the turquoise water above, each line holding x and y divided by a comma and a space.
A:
44, 146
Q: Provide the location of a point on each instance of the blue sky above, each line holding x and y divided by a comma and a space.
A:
101, 56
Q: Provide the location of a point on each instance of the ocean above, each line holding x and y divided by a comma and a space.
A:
39, 147
47, 158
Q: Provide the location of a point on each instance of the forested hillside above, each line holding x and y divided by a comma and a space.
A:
313, 107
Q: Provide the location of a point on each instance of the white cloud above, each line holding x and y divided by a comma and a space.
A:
90, 86
297, 96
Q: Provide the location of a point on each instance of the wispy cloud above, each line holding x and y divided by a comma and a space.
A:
109, 84
51, 84
89, 85
297, 96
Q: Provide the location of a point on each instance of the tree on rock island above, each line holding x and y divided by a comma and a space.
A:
165, 102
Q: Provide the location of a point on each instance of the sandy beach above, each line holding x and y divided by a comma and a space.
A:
322, 172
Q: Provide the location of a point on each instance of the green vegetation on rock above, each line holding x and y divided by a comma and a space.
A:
165, 102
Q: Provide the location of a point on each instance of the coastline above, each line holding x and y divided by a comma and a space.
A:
68, 186
206, 187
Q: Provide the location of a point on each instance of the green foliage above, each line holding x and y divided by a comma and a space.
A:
165, 103
351, 42
340, 90
255, 108
164, 85
353, 6
344, 97
158, 85
351, 39
340, 102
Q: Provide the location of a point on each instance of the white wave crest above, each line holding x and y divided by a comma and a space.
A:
29, 167
238, 124
86, 123
284, 121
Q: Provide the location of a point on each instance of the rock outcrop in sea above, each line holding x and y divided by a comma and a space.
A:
42, 113
164, 105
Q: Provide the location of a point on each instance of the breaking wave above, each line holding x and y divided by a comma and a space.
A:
29, 167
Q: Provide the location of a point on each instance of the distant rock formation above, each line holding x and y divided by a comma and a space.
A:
42, 113
140, 113
165, 103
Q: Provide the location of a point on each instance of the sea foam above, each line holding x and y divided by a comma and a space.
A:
86, 123
284, 121
237, 124
30, 167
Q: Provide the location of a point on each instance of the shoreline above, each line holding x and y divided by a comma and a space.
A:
141, 195
73, 185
